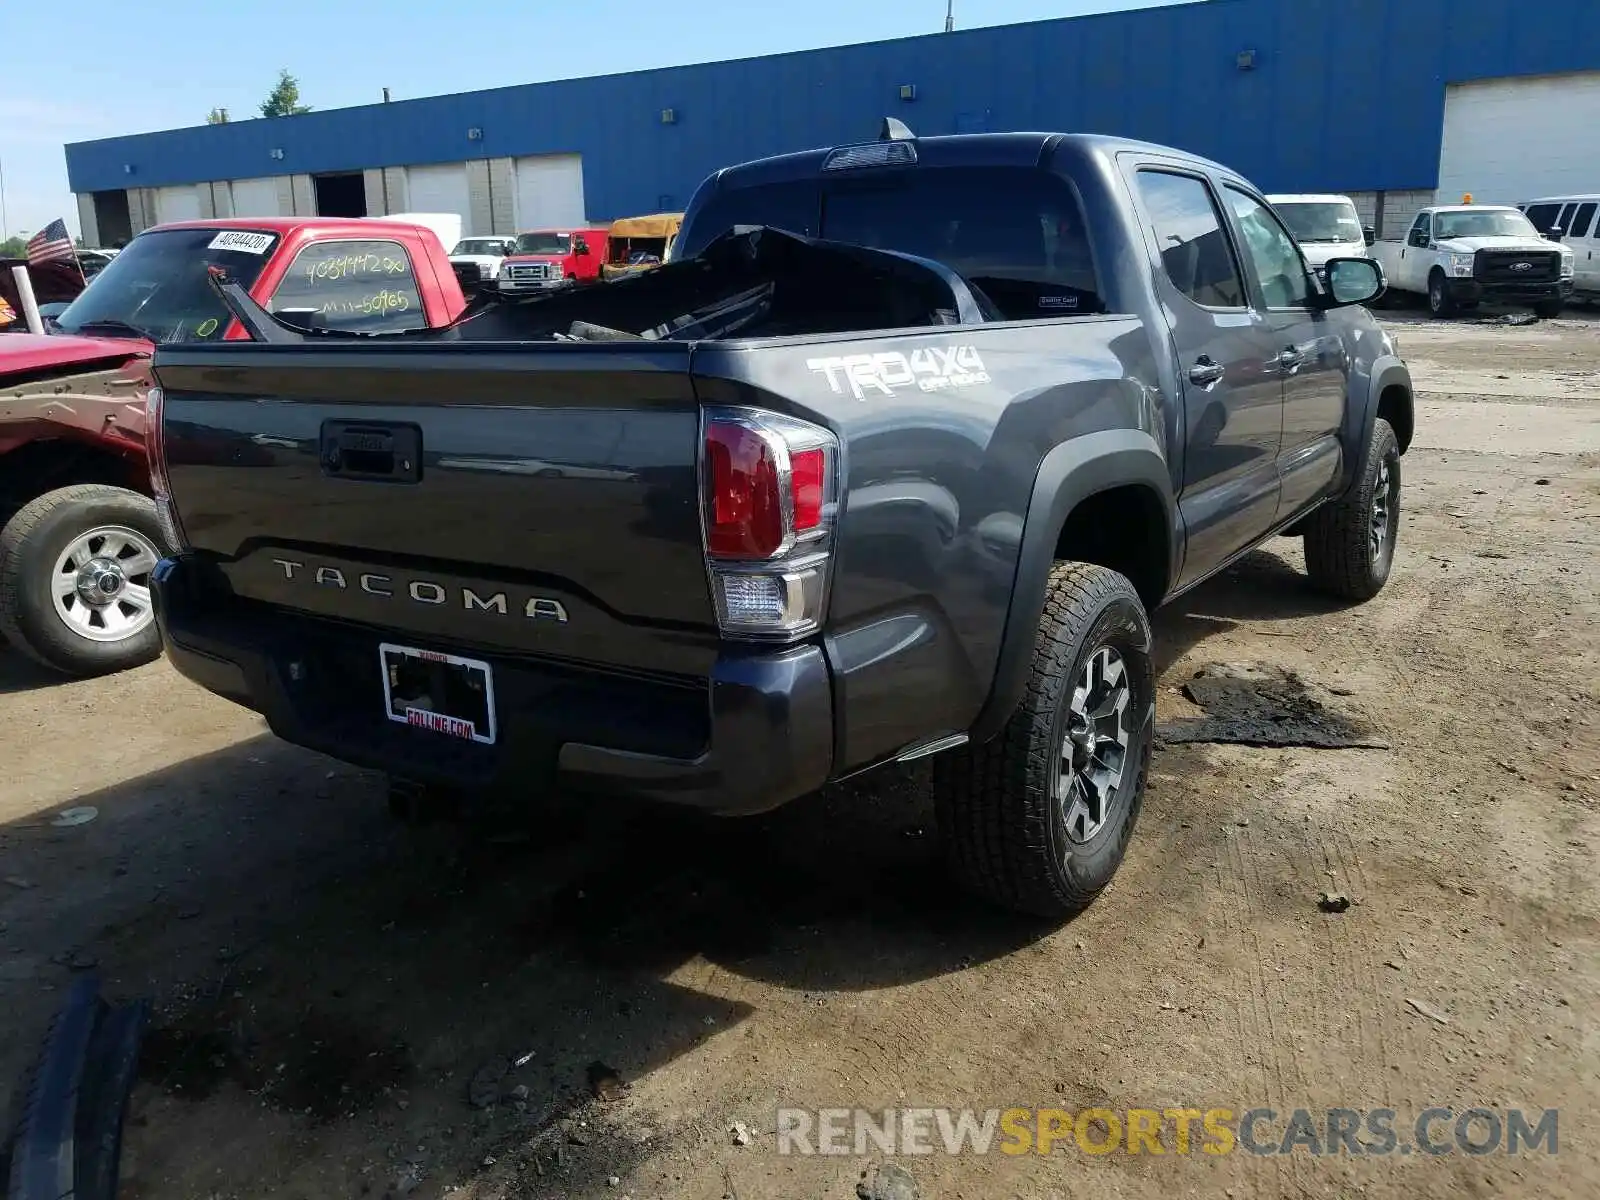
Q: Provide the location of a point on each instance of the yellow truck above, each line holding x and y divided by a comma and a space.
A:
639, 244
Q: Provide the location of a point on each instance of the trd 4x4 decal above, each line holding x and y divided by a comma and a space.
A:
931, 369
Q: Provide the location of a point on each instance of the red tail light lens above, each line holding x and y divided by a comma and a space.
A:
744, 509
768, 497
806, 469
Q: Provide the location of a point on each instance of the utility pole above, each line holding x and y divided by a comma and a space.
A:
949, 16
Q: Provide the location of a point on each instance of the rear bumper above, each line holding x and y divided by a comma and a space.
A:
755, 734
1471, 291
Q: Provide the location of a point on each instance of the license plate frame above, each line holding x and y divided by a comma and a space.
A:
479, 726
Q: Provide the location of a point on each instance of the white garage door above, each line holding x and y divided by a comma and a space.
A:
255, 198
177, 204
549, 192
439, 189
1507, 140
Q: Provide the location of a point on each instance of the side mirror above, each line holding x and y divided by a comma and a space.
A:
1369, 233
1352, 281
580, 247
1556, 233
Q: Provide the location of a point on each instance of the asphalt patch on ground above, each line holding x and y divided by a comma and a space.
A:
1251, 705
322, 1068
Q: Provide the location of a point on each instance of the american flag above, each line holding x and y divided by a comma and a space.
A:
51, 244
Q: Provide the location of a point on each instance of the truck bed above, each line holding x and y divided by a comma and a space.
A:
526, 489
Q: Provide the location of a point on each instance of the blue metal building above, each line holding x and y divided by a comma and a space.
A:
1300, 95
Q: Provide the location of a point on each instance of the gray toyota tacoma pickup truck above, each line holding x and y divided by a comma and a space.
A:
892, 463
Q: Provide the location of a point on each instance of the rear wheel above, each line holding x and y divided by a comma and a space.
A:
1038, 818
75, 570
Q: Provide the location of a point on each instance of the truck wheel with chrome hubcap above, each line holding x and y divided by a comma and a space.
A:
75, 569
1039, 817
1350, 542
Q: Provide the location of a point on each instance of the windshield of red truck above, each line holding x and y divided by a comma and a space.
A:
158, 286
543, 243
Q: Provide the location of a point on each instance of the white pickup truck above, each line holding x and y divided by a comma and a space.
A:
1463, 254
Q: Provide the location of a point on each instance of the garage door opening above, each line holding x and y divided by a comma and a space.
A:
1507, 140
112, 219
340, 195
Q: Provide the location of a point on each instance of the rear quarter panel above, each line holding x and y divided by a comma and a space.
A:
938, 479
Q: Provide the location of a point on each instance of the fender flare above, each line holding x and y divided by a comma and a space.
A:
1388, 371
1069, 474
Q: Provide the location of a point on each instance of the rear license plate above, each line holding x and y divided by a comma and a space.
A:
442, 692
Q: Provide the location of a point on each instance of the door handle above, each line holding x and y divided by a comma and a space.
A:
1205, 371
1291, 359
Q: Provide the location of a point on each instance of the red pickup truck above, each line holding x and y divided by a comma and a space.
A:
79, 535
545, 259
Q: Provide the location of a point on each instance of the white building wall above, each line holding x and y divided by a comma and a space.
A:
88, 223
503, 195
304, 196
372, 185
394, 190
480, 214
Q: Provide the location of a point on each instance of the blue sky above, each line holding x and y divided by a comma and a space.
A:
131, 68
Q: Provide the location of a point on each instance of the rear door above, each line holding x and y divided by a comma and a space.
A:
1310, 351
1226, 352
366, 285
1584, 237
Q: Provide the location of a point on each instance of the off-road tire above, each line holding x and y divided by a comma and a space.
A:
1003, 831
1339, 553
30, 543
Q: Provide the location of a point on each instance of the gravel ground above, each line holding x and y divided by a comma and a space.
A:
618, 987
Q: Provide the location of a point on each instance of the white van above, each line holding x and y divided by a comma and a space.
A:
1325, 226
1579, 219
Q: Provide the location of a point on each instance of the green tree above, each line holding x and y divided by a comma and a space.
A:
13, 247
284, 99
217, 116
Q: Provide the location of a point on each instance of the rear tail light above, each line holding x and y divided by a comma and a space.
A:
155, 442
768, 498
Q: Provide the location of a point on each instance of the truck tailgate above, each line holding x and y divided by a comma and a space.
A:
533, 498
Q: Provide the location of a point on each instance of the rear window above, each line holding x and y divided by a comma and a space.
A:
158, 285
1016, 233
789, 206
357, 285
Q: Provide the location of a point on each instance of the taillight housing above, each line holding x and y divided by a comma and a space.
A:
769, 500
155, 444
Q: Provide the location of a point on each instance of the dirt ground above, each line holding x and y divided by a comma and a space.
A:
328, 983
